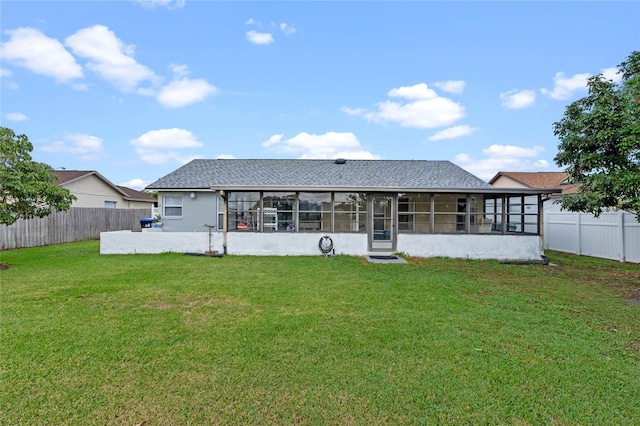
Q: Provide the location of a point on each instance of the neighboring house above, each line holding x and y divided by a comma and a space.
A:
536, 180
94, 190
286, 207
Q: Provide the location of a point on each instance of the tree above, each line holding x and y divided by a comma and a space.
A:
27, 188
600, 143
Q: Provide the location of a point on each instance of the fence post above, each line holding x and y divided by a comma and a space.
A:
579, 233
621, 223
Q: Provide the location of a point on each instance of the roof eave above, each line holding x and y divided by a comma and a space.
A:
249, 188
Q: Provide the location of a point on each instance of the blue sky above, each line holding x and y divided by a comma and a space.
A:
134, 89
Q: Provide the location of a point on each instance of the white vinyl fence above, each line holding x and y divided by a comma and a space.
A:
613, 235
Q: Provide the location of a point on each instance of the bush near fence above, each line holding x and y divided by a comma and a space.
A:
76, 224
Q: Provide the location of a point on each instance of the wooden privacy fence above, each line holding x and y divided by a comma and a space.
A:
76, 224
613, 235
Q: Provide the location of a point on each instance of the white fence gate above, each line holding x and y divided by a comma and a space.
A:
613, 235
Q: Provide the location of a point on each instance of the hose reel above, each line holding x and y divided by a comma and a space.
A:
325, 244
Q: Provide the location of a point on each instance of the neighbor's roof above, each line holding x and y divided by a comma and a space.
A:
288, 174
64, 177
136, 195
541, 180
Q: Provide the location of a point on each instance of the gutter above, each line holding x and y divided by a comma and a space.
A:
296, 188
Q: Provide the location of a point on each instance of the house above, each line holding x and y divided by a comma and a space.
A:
537, 180
356, 207
94, 190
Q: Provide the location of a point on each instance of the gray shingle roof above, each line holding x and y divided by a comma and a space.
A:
319, 174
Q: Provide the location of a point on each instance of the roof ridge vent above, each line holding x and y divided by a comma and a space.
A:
340, 161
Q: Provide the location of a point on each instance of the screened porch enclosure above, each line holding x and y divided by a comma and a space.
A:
383, 215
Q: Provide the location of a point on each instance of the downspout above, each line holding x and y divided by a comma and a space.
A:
224, 221
541, 222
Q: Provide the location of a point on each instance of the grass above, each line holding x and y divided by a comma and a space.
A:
174, 339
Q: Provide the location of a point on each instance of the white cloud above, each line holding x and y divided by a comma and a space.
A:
85, 146
15, 116
502, 158
509, 151
416, 92
225, 157
451, 86
109, 57
453, 132
183, 92
137, 184
164, 145
287, 29
31, 49
424, 109
5, 72
518, 99
612, 74
273, 140
259, 38
353, 111
564, 87
170, 4
325, 146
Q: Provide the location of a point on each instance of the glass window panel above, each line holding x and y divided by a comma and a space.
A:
515, 205
350, 210
413, 212
531, 200
243, 211
406, 216
172, 201
172, 206
314, 211
444, 223
279, 208
490, 206
172, 211
422, 227
314, 201
350, 222
444, 203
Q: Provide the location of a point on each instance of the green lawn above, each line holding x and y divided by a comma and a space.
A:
174, 339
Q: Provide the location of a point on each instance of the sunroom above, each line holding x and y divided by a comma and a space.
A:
382, 216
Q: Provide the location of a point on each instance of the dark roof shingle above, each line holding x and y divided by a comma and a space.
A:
315, 174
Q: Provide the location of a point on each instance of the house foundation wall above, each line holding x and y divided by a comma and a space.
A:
502, 247
522, 247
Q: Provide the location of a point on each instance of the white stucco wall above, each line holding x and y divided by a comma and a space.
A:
293, 244
127, 242
503, 247
511, 247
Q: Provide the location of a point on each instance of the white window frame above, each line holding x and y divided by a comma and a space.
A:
110, 204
